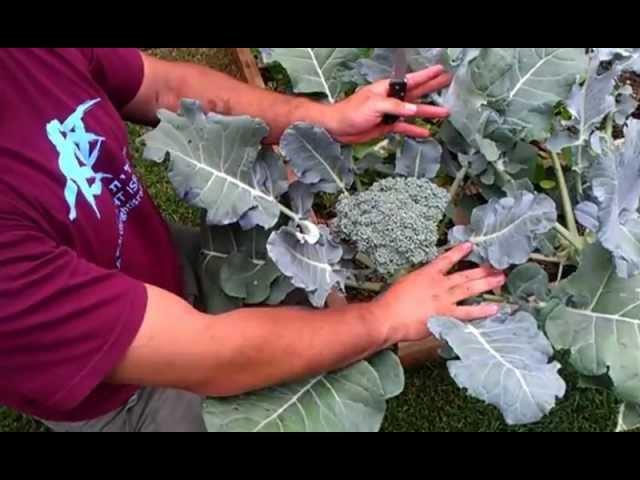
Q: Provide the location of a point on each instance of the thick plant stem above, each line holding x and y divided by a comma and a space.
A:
493, 298
362, 258
542, 258
366, 286
568, 236
457, 182
359, 187
566, 201
609, 127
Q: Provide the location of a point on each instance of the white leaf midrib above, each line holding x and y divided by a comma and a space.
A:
477, 334
287, 404
528, 75
320, 74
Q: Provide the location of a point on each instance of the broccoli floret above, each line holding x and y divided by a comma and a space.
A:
394, 223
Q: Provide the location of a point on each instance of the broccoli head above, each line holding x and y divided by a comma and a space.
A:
394, 223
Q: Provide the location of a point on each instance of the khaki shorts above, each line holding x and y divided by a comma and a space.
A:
156, 409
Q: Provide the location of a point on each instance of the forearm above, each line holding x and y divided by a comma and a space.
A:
274, 346
246, 349
218, 92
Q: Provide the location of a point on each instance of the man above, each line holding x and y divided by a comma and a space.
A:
94, 332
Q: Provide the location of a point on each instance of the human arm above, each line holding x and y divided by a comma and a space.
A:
252, 348
354, 120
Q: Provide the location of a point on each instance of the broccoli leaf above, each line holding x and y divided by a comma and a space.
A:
316, 158
248, 278
613, 211
380, 65
528, 280
588, 104
628, 417
314, 268
350, 400
626, 104
235, 266
279, 290
506, 231
600, 322
390, 371
313, 70
301, 197
212, 163
270, 177
504, 361
468, 111
500, 93
419, 159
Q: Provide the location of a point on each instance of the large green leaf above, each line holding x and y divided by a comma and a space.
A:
390, 371
628, 417
313, 70
525, 84
600, 323
236, 270
588, 104
316, 158
504, 361
505, 231
615, 194
350, 400
212, 161
314, 268
511, 92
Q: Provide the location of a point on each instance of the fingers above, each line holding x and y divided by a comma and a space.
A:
411, 130
433, 86
475, 312
446, 262
470, 275
421, 77
403, 109
476, 287
376, 132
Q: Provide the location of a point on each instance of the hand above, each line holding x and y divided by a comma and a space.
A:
358, 118
407, 306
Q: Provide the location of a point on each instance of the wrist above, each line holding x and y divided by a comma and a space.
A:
320, 114
378, 322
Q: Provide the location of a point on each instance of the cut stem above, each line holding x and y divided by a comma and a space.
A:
567, 206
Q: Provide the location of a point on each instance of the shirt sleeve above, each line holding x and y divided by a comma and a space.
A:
64, 322
118, 71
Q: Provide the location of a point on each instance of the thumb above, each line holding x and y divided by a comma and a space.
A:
396, 107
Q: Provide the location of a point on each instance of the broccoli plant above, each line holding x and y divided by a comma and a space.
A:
538, 166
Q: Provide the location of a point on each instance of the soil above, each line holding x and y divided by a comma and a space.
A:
222, 59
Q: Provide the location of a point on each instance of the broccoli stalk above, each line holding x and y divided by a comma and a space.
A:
394, 223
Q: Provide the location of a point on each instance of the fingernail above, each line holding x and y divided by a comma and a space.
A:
494, 309
410, 108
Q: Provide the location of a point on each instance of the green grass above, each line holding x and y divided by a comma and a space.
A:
431, 401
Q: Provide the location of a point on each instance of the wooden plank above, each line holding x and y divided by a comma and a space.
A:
249, 67
412, 354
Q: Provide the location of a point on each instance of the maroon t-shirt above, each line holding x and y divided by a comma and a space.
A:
79, 236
